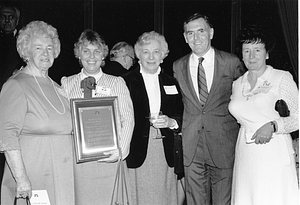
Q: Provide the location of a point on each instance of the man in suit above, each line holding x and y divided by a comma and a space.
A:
121, 59
9, 57
209, 132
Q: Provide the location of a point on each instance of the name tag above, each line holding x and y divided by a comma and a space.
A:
39, 197
102, 90
170, 90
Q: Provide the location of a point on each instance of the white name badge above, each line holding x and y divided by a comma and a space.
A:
102, 90
170, 90
39, 197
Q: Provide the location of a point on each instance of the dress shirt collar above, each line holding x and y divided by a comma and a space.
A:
13, 34
97, 76
151, 82
144, 73
208, 55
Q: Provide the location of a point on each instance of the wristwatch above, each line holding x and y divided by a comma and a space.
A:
273, 125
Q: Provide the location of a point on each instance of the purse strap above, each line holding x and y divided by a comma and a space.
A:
120, 180
27, 200
124, 180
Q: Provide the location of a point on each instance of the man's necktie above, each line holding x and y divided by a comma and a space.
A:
88, 84
202, 85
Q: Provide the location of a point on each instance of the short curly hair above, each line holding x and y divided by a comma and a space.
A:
145, 38
92, 37
254, 34
36, 29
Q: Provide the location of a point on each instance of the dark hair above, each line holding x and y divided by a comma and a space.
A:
255, 34
13, 7
194, 17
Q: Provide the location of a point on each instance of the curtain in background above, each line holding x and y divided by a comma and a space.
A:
288, 11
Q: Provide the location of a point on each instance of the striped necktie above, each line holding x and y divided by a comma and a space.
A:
202, 85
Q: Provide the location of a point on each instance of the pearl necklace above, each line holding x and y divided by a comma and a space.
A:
246, 95
61, 113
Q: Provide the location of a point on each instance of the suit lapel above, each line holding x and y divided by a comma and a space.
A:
218, 73
163, 81
161, 87
187, 87
139, 87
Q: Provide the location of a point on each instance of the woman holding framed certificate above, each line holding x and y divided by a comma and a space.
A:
94, 180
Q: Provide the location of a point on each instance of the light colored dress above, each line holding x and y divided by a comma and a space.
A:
265, 174
29, 123
94, 181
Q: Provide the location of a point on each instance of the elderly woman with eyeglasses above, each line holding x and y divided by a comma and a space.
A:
35, 123
154, 95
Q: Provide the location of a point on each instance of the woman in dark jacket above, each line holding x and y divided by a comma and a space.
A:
151, 157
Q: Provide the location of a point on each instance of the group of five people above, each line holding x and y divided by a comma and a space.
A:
220, 165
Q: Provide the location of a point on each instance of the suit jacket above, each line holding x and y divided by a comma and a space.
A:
118, 88
213, 120
171, 105
114, 68
10, 59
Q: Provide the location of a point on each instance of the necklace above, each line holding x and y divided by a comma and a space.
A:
246, 95
61, 113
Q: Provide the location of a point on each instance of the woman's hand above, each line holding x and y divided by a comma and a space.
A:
264, 134
164, 121
113, 156
16, 165
23, 188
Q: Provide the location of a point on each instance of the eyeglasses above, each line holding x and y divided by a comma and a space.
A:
132, 58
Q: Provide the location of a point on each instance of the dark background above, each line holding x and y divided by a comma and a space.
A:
126, 20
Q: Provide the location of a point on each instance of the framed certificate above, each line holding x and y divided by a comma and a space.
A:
94, 127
